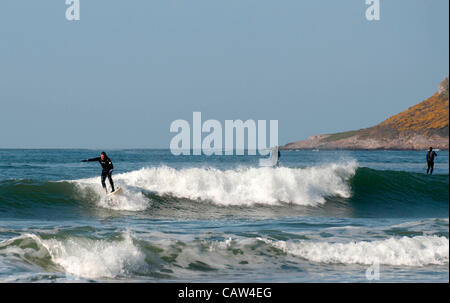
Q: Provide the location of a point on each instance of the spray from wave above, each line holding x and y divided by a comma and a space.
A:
131, 199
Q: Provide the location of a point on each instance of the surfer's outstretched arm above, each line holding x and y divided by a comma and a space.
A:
91, 160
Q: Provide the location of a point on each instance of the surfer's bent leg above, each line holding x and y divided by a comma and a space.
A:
110, 180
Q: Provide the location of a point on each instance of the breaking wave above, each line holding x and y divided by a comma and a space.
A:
361, 191
123, 255
416, 251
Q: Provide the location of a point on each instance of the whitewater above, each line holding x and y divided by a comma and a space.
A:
241, 186
321, 216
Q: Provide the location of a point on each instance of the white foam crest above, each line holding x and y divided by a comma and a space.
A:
129, 200
406, 251
89, 258
246, 186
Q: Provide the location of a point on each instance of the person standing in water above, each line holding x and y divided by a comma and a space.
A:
278, 159
107, 169
430, 160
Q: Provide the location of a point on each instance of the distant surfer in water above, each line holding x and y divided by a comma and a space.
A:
107, 167
430, 160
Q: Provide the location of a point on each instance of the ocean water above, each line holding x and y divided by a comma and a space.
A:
321, 216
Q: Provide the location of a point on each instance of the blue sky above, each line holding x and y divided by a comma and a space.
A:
118, 77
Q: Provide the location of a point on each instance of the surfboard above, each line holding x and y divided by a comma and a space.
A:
116, 192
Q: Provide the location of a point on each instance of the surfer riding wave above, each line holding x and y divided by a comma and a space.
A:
107, 169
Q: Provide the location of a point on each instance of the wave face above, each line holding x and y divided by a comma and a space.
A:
396, 185
338, 187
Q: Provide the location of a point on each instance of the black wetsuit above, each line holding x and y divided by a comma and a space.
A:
430, 161
107, 169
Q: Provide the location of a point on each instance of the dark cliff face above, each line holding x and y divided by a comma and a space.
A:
422, 125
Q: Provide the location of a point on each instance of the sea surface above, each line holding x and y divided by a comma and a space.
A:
321, 216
